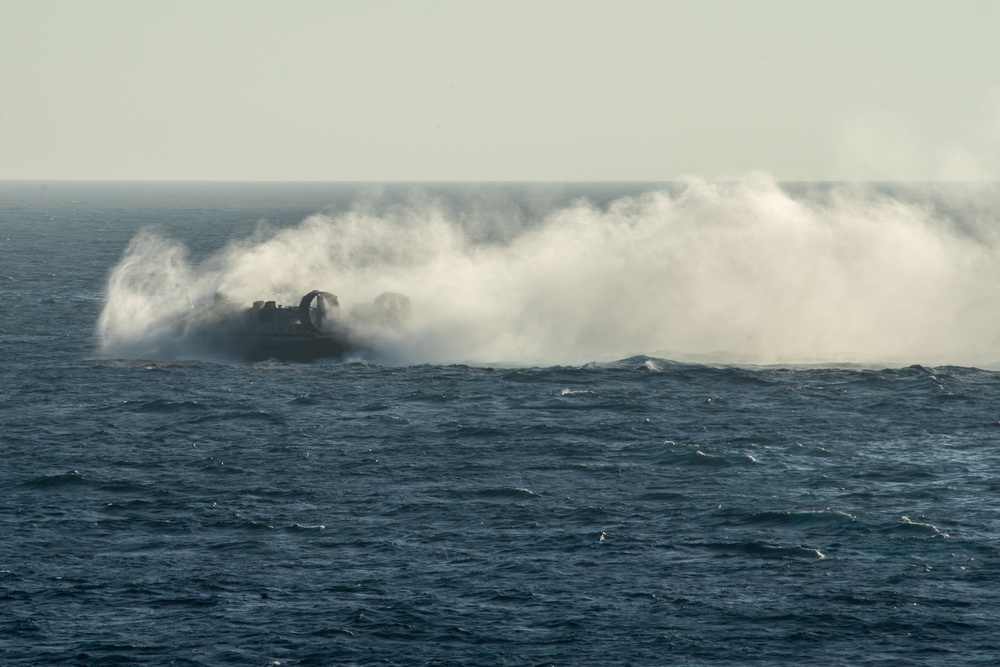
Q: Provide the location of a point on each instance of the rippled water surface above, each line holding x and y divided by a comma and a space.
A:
636, 511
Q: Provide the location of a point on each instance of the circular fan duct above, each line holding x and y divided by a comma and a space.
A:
393, 305
316, 309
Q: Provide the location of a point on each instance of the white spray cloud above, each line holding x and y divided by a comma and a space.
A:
739, 271
881, 146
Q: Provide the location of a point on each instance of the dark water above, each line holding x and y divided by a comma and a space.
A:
639, 511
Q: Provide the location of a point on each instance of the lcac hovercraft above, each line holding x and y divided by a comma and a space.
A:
314, 329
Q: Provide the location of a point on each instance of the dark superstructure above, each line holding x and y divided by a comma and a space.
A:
313, 329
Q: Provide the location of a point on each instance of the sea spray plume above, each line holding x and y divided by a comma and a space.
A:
736, 271
875, 145
741, 271
147, 291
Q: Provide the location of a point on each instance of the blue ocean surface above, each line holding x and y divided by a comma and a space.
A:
616, 468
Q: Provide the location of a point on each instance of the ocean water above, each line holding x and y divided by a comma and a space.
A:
637, 424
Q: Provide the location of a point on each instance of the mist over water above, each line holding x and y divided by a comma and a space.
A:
749, 271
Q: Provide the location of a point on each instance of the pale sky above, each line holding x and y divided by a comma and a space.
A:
550, 90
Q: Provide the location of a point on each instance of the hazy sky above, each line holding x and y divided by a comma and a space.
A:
506, 90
